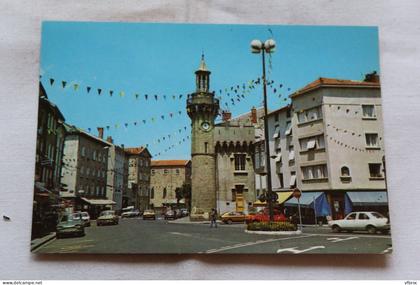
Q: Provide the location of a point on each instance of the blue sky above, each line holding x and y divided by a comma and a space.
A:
161, 59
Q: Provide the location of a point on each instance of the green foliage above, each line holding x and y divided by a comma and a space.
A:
184, 192
271, 226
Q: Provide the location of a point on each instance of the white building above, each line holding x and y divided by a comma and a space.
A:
329, 144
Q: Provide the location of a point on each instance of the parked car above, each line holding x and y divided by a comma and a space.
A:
70, 224
170, 215
264, 216
233, 217
361, 221
149, 215
131, 214
107, 217
184, 212
85, 218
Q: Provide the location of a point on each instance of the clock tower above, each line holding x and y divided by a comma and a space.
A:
203, 108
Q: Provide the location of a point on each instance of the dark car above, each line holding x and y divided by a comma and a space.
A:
170, 215
70, 224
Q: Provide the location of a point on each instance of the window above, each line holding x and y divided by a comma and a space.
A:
375, 170
177, 171
345, 171
292, 179
291, 153
315, 172
239, 161
288, 131
153, 172
83, 151
351, 216
368, 111
87, 171
94, 155
363, 216
206, 144
152, 193
309, 115
371, 140
164, 193
276, 132
281, 179
276, 117
310, 143
140, 162
82, 170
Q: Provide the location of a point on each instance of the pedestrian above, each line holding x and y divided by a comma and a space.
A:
213, 218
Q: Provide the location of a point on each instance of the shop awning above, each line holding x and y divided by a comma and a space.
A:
258, 203
98, 202
368, 198
315, 200
283, 196
305, 200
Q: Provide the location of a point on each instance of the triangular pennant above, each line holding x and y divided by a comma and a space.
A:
144, 121
75, 86
107, 127
51, 81
170, 115
156, 97
111, 92
122, 94
163, 117
137, 96
145, 96
180, 96
88, 89
126, 125
63, 83
99, 91
180, 112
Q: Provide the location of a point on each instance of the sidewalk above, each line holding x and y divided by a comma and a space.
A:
42, 240
186, 220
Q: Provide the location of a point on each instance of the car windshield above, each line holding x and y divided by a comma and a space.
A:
85, 215
67, 218
76, 216
377, 215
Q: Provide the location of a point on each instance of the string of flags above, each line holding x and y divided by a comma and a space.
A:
153, 119
167, 137
171, 146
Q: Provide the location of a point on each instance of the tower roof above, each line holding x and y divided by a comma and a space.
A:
203, 66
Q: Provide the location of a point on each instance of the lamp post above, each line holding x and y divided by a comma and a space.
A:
267, 47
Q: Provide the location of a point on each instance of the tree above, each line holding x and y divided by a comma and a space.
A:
184, 192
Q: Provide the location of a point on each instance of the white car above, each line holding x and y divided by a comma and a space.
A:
361, 221
85, 219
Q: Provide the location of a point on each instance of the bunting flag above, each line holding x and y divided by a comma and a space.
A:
122, 93
99, 91
75, 86
111, 92
63, 83
88, 89
51, 81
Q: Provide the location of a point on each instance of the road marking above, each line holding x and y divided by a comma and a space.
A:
336, 239
294, 250
251, 244
180, 234
352, 235
388, 250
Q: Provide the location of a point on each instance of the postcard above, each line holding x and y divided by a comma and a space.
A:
209, 139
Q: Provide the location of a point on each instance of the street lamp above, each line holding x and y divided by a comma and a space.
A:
267, 47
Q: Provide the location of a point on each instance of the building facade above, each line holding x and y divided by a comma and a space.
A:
84, 174
138, 190
329, 144
117, 174
166, 177
48, 165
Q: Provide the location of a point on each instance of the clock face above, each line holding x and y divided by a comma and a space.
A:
205, 126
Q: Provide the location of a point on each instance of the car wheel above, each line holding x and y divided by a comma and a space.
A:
336, 229
385, 232
371, 229
229, 222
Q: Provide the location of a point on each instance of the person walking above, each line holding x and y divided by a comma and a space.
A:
213, 218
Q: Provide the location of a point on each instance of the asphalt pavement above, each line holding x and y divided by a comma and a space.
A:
138, 236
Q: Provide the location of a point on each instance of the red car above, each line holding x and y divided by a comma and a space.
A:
264, 216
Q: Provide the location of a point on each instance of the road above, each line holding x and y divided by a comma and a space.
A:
138, 236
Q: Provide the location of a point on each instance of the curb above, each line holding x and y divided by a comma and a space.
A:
279, 233
44, 241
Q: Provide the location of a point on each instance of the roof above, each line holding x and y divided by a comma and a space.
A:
71, 129
284, 108
203, 66
170, 162
336, 83
137, 150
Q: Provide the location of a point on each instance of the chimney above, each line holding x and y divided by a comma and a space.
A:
226, 116
100, 133
109, 139
253, 115
372, 77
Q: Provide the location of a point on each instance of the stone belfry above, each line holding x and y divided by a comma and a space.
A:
202, 108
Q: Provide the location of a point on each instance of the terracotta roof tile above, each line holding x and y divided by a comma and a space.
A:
170, 162
332, 82
134, 150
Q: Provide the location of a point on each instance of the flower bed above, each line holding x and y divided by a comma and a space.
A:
271, 226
